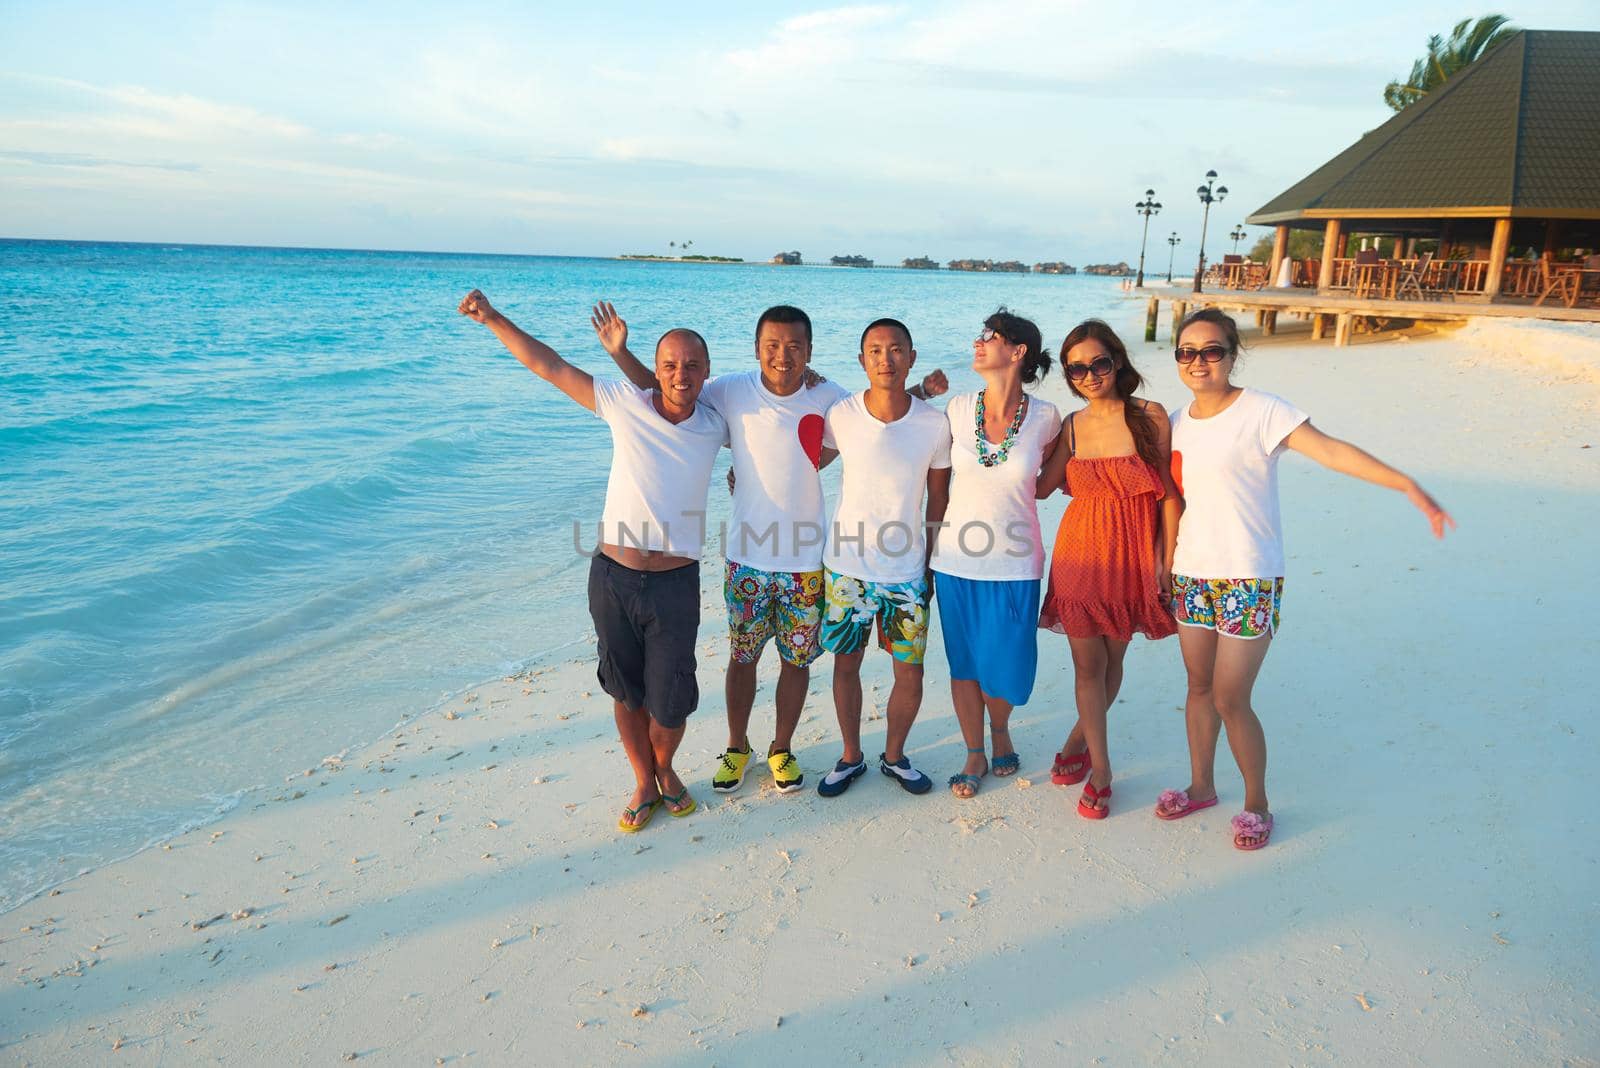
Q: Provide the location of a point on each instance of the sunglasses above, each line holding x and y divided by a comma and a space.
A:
1100, 366
989, 334
1209, 354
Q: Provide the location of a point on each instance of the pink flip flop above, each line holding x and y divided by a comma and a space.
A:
1249, 824
1175, 804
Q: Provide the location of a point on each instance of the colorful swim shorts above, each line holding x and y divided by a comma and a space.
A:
901, 609
762, 605
1240, 608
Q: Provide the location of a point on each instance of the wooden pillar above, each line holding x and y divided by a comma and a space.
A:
1179, 310
1269, 323
1552, 237
1261, 317
1330, 250
1280, 246
1319, 326
1152, 310
1497, 258
1341, 330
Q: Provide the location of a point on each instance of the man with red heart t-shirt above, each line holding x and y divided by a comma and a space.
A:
773, 584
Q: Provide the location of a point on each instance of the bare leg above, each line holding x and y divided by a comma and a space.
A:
1076, 742
847, 702
1199, 645
1089, 659
792, 685
1000, 731
633, 726
1238, 664
739, 688
904, 702
968, 701
664, 744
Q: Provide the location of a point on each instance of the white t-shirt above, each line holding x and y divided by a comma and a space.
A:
1226, 468
777, 444
656, 493
993, 518
877, 531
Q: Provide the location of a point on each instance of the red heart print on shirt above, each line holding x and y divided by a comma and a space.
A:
811, 438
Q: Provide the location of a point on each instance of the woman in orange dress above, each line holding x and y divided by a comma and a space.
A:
1110, 572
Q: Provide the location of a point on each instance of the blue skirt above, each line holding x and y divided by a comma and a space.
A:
991, 633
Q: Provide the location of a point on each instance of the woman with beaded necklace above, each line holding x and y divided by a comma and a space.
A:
1111, 570
989, 556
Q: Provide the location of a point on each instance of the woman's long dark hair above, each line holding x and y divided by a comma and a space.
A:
1146, 436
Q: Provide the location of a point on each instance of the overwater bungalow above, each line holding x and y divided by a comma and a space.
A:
1485, 191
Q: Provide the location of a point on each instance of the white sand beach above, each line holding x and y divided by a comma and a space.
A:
1431, 895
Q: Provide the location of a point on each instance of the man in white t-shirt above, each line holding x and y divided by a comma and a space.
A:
895, 448
644, 582
773, 582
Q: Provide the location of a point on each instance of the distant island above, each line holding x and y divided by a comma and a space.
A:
928, 263
1116, 270
696, 258
1002, 266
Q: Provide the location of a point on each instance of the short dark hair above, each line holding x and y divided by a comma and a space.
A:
706, 349
783, 313
1019, 331
896, 323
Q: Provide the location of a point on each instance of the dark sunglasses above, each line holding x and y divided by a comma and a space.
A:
1100, 366
1210, 354
989, 334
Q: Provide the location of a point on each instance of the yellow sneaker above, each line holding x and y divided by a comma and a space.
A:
730, 771
786, 775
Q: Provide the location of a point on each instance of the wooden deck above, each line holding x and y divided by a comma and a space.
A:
1342, 312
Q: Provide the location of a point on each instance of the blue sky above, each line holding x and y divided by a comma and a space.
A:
957, 129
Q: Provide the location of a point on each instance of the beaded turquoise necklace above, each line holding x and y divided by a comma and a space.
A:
994, 459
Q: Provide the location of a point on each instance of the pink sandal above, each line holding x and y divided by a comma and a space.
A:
1070, 769
1175, 804
1249, 824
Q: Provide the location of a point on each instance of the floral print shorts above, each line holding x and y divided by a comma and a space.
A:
781, 605
900, 608
1240, 608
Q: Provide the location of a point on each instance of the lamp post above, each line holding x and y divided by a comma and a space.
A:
1238, 235
1208, 196
1174, 240
1146, 207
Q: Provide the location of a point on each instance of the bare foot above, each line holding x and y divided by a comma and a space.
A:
1000, 738
1197, 794
1244, 839
1100, 780
976, 765
672, 787
639, 805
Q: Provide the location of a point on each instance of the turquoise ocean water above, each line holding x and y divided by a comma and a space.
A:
259, 505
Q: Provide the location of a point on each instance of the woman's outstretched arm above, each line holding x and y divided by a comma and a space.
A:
1347, 459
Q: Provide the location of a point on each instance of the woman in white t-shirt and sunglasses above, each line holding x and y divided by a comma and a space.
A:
1227, 578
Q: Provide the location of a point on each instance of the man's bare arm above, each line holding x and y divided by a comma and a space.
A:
532, 353
612, 331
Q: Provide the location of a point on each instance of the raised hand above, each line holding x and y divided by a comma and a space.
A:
609, 327
935, 385
476, 306
1438, 518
